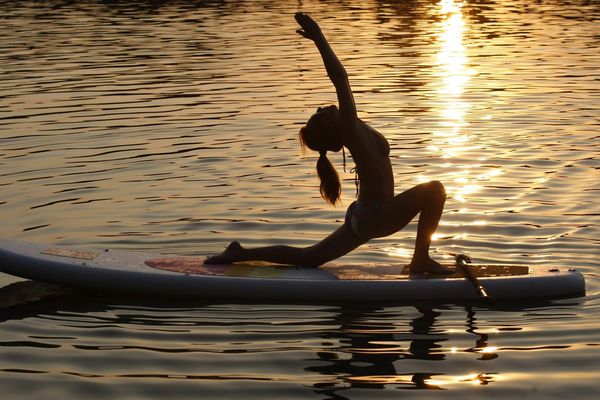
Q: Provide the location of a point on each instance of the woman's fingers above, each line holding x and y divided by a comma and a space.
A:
305, 21
300, 17
309, 27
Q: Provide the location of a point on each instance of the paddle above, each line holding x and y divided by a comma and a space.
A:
461, 261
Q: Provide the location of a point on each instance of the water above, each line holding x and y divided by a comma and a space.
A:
172, 126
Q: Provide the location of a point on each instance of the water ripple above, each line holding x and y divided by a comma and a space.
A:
172, 126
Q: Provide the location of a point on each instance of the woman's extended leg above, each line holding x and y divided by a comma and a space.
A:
337, 244
427, 199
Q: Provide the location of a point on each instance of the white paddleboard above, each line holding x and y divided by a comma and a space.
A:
156, 274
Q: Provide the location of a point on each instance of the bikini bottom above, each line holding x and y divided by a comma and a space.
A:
360, 211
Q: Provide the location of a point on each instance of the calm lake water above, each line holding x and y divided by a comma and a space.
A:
172, 126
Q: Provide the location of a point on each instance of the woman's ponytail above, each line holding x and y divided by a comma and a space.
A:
330, 187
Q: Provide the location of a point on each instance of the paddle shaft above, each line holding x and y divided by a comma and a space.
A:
470, 275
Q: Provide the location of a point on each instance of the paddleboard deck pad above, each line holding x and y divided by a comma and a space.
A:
156, 274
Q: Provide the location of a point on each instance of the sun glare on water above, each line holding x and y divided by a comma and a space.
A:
452, 141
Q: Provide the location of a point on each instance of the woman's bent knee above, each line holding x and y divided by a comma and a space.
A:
436, 189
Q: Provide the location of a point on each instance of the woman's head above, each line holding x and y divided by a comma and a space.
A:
321, 133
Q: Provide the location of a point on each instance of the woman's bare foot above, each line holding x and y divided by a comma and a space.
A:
426, 265
231, 254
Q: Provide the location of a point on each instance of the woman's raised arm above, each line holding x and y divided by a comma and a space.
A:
335, 70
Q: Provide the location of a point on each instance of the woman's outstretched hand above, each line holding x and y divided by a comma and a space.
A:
310, 29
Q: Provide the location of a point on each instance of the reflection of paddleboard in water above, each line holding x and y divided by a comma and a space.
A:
143, 273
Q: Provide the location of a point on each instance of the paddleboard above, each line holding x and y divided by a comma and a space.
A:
163, 275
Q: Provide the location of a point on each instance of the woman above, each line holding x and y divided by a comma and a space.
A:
376, 212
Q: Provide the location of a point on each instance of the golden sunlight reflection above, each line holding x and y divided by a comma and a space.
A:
397, 251
454, 76
474, 379
427, 380
489, 349
450, 140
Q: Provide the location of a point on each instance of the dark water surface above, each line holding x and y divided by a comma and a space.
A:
172, 126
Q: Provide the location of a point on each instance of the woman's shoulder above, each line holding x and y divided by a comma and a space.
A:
366, 141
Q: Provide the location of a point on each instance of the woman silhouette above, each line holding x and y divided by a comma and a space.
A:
376, 212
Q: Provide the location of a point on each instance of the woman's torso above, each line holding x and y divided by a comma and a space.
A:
371, 155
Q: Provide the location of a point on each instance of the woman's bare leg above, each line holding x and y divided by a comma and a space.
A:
337, 244
428, 200
276, 254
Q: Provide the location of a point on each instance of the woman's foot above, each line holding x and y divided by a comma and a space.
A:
426, 265
231, 254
